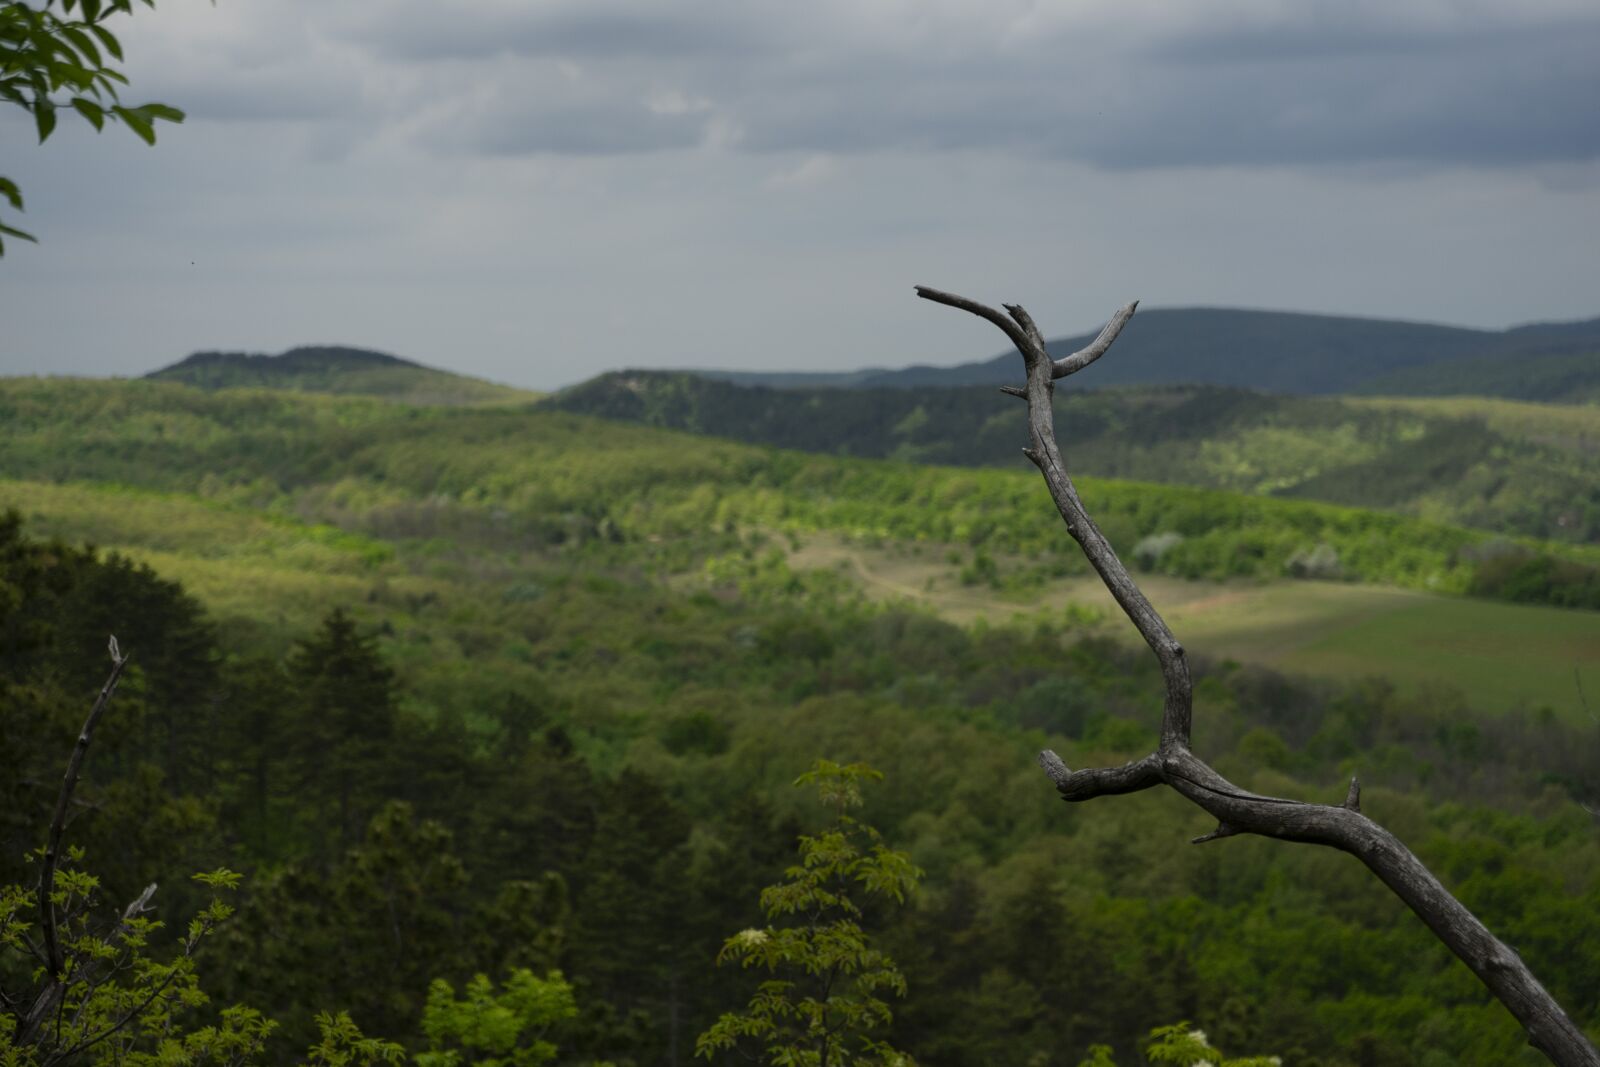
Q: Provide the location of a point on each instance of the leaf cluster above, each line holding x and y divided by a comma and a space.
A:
1179, 1045
825, 1003
117, 996
495, 1029
61, 55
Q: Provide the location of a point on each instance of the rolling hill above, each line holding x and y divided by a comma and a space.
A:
1274, 351
1526, 469
464, 490
614, 646
341, 371
1555, 377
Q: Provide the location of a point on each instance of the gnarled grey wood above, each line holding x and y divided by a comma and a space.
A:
1236, 810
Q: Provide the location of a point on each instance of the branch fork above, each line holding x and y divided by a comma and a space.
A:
1174, 764
51, 953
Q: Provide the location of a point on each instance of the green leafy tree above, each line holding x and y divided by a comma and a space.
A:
342, 721
341, 1043
495, 1029
116, 997
366, 934
1179, 1045
824, 1005
58, 56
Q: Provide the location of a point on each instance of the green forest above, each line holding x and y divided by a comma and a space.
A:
498, 712
1527, 469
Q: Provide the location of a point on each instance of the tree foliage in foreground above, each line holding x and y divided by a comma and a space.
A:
1179, 1046
824, 1002
517, 849
123, 997
61, 56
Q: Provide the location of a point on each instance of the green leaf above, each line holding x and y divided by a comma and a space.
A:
84, 44
11, 231
13, 195
137, 122
162, 112
91, 111
108, 40
44, 117
221, 878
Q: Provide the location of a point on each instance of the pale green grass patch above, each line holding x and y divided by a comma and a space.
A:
1501, 656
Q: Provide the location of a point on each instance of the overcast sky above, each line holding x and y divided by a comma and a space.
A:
534, 192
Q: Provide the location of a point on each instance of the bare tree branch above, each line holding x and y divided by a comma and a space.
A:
58, 822
1236, 810
1012, 330
48, 1001
1096, 348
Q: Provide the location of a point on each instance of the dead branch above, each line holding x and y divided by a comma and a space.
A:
58, 822
50, 953
1237, 810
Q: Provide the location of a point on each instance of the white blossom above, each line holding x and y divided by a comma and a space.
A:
751, 938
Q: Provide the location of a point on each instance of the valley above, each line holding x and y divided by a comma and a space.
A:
599, 653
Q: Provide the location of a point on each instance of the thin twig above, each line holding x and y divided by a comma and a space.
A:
58, 822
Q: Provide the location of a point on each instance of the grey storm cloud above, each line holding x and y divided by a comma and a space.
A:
1122, 86
573, 128
420, 30
479, 183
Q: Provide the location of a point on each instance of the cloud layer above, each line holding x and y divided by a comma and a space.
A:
467, 180
1139, 83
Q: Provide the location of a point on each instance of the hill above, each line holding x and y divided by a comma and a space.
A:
1524, 469
341, 371
1562, 377
580, 662
1274, 351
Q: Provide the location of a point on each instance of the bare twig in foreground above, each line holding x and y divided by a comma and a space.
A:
1236, 810
53, 960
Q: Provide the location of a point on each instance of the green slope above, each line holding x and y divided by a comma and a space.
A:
1472, 464
514, 476
1571, 377
1500, 655
606, 668
341, 371
687, 709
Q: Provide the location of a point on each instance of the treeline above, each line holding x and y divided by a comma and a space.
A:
620, 835
1453, 468
1567, 374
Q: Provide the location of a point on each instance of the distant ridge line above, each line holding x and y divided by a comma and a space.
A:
338, 369
1274, 351
293, 360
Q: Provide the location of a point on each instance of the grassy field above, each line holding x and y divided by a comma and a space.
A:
1502, 656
